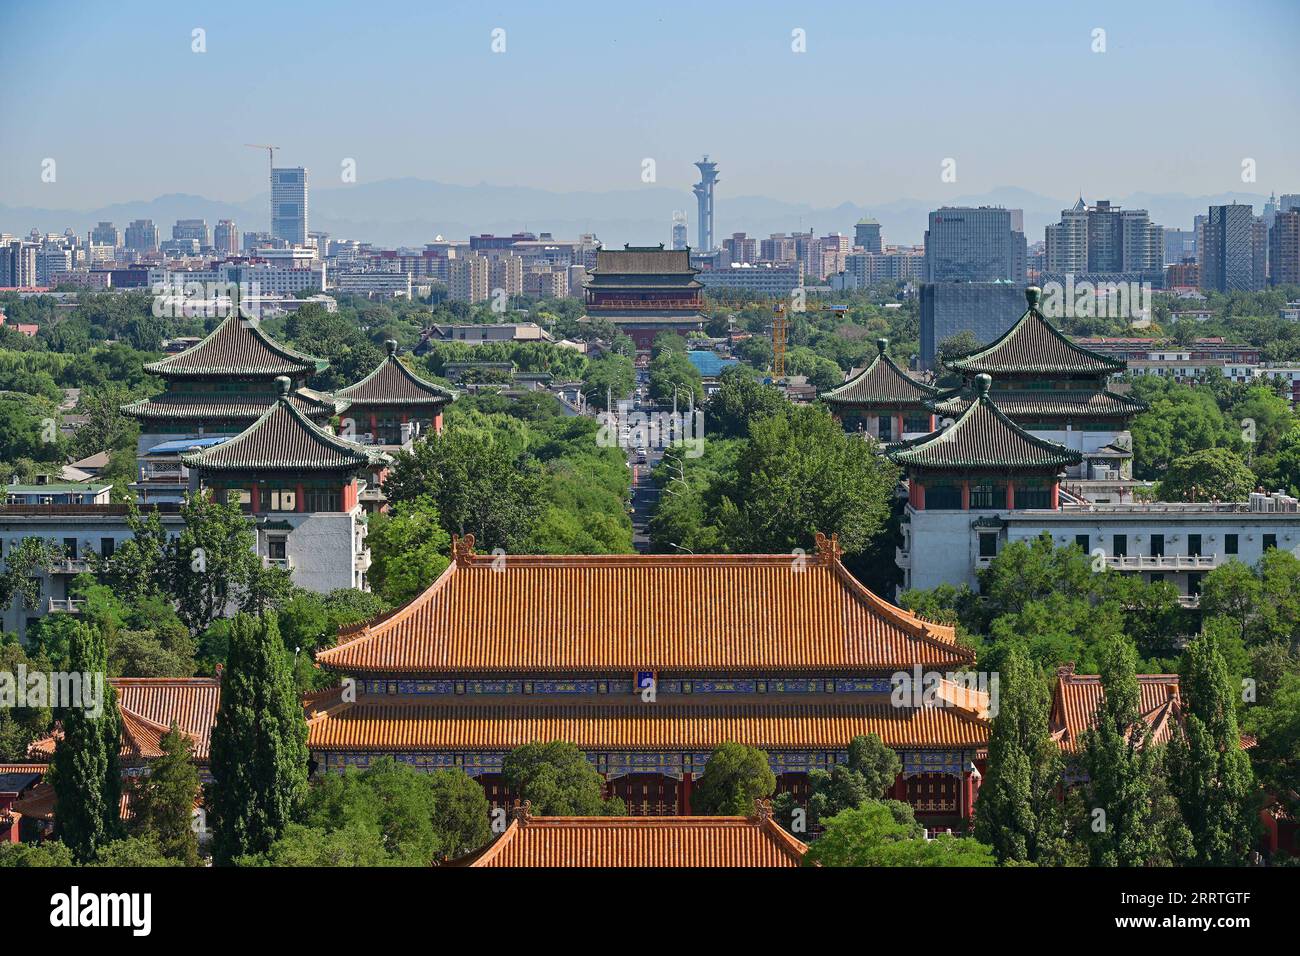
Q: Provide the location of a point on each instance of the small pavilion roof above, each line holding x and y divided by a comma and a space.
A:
983, 437
1077, 696
882, 382
392, 383
1034, 345
237, 346
283, 439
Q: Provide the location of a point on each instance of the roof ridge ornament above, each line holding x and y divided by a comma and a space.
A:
882, 344
521, 811
762, 809
1033, 295
828, 547
282, 386
984, 382
462, 548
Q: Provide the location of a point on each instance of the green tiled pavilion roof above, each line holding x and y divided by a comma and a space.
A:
1026, 403
1034, 345
882, 383
392, 383
283, 439
215, 406
237, 346
983, 437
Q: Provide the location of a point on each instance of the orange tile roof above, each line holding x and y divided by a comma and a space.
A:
594, 613
1074, 705
640, 842
412, 725
150, 704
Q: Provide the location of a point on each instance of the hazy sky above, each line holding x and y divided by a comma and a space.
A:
584, 92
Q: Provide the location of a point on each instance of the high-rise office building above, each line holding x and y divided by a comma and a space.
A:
142, 236
1104, 240
1228, 255
289, 205
225, 238
1288, 201
704, 201
985, 309
679, 230
1284, 248
969, 244
1180, 245
195, 229
866, 235
105, 234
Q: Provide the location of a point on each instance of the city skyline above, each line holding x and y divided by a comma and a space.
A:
1010, 122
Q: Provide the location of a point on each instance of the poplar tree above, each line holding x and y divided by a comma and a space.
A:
1210, 772
86, 773
259, 743
1018, 812
1121, 826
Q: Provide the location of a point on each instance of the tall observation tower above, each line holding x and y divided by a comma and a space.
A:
704, 197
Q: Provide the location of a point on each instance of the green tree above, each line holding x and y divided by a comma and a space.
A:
85, 773
19, 726
1213, 473
24, 569
734, 777
1018, 813
609, 375
420, 817
1276, 754
408, 549
558, 780
876, 834
1121, 767
869, 774
481, 481
213, 560
740, 400
672, 374
133, 853
165, 799
258, 745
1210, 774
354, 844
799, 474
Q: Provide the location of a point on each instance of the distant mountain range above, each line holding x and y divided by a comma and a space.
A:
410, 212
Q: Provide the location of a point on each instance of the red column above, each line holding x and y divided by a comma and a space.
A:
1011, 495
898, 429
255, 498
299, 499
965, 494
684, 798
374, 425
1056, 494
437, 424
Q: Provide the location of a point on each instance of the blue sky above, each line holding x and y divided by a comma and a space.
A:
584, 92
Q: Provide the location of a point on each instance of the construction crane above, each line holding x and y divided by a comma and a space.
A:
270, 152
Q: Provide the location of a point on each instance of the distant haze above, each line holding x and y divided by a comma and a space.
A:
411, 212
